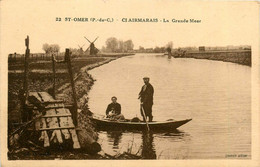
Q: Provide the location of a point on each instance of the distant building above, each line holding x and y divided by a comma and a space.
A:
202, 48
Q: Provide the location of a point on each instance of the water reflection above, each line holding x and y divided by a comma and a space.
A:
149, 145
114, 137
148, 150
200, 89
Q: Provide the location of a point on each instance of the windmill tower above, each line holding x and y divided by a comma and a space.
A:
80, 50
93, 49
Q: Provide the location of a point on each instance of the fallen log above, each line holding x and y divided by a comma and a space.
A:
87, 143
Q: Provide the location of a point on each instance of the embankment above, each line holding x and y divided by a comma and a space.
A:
237, 56
83, 83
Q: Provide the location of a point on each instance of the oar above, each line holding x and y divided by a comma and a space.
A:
142, 109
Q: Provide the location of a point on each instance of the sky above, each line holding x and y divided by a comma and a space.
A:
222, 23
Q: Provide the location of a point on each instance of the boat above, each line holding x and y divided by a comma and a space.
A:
103, 123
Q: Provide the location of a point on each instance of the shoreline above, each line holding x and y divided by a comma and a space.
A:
83, 83
242, 57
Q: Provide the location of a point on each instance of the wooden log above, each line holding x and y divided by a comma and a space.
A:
54, 75
74, 95
24, 96
87, 142
26, 68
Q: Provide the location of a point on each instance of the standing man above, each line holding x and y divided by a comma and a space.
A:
146, 97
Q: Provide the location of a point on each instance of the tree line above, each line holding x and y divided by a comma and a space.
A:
119, 46
167, 48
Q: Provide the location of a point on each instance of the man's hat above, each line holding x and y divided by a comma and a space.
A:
114, 97
146, 78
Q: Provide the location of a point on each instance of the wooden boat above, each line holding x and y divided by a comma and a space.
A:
103, 123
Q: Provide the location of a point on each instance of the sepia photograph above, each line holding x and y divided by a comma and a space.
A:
129, 80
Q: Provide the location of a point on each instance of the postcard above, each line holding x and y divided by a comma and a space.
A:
134, 83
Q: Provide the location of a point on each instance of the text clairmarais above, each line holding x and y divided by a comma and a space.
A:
127, 20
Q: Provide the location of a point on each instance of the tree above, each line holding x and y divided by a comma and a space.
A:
121, 46
156, 49
53, 48
159, 49
103, 49
169, 47
141, 48
46, 48
112, 44
129, 45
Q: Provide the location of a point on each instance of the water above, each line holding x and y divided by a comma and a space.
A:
216, 95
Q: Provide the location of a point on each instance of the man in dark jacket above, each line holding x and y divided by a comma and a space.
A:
146, 97
113, 108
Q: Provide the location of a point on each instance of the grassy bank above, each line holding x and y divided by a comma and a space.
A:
41, 80
235, 56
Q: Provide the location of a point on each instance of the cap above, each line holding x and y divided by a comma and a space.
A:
146, 78
114, 97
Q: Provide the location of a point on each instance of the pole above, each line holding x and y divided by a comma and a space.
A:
25, 83
75, 106
54, 75
142, 109
14, 56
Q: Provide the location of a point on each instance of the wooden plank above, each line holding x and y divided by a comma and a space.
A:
46, 96
63, 111
35, 95
58, 128
44, 136
64, 121
54, 101
53, 136
54, 124
57, 105
58, 115
69, 122
56, 111
54, 105
74, 137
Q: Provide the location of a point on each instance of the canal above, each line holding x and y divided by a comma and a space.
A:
215, 94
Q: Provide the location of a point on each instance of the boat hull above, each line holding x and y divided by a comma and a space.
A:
104, 124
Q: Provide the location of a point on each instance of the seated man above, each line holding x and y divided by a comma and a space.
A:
114, 110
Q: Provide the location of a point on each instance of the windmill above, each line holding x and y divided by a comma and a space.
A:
93, 49
80, 49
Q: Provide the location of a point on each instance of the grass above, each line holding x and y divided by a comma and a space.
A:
39, 81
